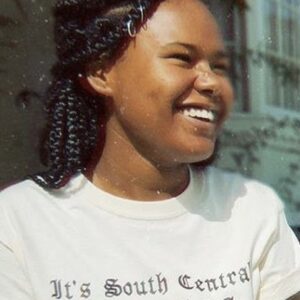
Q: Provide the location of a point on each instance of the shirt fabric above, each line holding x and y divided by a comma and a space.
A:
224, 238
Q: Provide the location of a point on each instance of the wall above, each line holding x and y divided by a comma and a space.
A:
26, 53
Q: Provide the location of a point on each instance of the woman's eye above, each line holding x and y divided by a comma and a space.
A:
182, 57
220, 68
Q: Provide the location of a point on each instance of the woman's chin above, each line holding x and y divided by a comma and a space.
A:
200, 151
195, 153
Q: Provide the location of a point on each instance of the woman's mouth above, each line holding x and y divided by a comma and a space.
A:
206, 115
200, 119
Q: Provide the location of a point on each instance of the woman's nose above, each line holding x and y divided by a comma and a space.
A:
207, 81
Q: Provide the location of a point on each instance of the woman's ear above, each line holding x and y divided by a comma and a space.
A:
98, 81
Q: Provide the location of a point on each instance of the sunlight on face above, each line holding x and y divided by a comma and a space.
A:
170, 88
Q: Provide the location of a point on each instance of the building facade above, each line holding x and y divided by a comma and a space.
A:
262, 139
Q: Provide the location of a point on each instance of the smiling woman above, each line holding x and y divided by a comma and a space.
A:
139, 94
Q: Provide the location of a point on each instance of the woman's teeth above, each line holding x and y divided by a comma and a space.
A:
197, 113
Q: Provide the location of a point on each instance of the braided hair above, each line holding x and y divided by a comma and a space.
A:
85, 31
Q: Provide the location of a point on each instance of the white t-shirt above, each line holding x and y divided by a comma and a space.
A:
224, 238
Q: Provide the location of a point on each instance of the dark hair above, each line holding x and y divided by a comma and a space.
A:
86, 31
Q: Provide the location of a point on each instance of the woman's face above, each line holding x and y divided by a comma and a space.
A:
170, 89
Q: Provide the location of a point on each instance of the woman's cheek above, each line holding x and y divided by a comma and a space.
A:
177, 81
227, 98
229, 92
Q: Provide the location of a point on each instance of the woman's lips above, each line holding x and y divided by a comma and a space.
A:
198, 126
207, 115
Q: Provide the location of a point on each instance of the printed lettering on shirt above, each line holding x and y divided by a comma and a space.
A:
66, 290
156, 285
213, 284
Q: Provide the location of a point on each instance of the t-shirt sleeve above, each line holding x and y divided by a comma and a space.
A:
13, 283
280, 268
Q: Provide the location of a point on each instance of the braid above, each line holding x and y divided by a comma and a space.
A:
72, 132
85, 31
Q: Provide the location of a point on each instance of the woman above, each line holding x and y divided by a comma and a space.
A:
140, 92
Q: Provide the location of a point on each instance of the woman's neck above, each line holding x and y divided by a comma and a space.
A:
124, 172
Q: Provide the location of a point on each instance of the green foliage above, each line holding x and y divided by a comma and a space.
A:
244, 148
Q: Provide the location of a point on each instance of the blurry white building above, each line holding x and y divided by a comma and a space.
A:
262, 138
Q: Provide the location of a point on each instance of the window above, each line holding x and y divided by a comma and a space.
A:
281, 53
231, 17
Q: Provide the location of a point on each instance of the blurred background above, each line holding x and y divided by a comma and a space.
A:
262, 139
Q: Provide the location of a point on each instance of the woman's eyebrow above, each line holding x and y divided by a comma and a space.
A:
185, 45
219, 54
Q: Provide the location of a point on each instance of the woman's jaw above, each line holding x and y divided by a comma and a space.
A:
170, 93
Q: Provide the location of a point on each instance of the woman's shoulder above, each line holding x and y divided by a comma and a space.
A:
22, 192
28, 194
250, 193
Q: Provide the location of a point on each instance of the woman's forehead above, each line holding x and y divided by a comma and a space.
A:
186, 22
